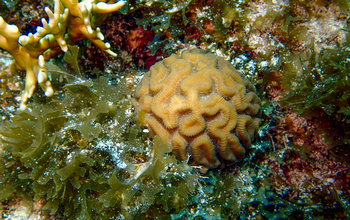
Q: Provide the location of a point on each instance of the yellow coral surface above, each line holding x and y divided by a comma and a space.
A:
71, 21
200, 104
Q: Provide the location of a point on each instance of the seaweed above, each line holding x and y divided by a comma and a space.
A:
321, 90
71, 57
164, 18
229, 16
85, 155
48, 162
86, 150
166, 11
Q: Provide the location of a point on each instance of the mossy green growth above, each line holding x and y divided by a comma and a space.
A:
86, 155
42, 154
162, 13
175, 19
161, 16
322, 90
229, 15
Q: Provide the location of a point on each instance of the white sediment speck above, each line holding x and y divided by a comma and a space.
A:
327, 30
262, 40
114, 149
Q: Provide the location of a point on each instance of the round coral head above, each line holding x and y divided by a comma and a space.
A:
201, 105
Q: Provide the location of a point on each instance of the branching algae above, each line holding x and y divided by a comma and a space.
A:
86, 156
88, 152
322, 91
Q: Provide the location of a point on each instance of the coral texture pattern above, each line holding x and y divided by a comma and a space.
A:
201, 105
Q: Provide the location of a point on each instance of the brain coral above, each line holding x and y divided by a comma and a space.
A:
201, 105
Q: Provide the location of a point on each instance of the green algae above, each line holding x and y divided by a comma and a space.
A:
172, 20
229, 16
321, 90
46, 157
87, 156
163, 12
84, 173
117, 172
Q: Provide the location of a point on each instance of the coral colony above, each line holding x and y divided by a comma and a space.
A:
174, 109
200, 101
73, 23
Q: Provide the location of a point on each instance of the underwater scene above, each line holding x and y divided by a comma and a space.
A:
175, 109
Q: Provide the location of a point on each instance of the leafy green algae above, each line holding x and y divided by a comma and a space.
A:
321, 90
87, 156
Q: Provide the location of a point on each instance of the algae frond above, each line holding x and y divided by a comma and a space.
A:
321, 90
